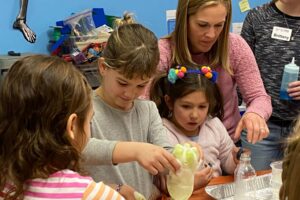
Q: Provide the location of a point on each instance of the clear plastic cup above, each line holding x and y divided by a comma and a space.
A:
276, 180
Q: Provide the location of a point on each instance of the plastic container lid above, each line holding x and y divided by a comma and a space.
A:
292, 67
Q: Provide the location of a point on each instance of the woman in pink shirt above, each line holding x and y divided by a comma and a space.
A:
201, 36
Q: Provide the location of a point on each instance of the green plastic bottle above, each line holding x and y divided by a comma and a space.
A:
181, 184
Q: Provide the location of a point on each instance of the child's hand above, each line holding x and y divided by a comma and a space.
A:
130, 194
138, 196
156, 159
194, 144
203, 177
235, 152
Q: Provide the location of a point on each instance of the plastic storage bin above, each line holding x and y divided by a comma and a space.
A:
90, 71
7, 61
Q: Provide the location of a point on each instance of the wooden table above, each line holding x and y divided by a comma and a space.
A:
202, 195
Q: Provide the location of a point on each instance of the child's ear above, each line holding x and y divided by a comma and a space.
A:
72, 125
169, 102
101, 65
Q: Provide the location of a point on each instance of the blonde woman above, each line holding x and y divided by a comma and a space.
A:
201, 37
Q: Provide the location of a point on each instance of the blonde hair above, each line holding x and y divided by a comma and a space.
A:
128, 18
291, 166
218, 55
132, 49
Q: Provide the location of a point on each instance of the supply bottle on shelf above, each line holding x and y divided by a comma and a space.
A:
290, 74
181, 184
245, 178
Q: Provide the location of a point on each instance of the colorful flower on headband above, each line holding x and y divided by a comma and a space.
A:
210, 74
180, 72
174, 74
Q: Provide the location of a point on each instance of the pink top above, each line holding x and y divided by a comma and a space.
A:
246, 76
67, 184
215, 142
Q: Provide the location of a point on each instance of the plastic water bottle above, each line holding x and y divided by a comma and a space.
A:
290, 74
181, 184
245, 179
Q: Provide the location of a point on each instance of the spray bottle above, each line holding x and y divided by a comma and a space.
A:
290, 74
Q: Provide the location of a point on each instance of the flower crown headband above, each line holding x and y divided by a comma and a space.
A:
180, 71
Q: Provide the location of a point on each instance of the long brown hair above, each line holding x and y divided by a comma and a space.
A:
291, 166
37, 96
218, 55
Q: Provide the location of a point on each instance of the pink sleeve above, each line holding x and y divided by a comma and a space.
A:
247, 76
226, 146
163, 65
165, 55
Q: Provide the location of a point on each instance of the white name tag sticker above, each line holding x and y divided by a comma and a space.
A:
281, 33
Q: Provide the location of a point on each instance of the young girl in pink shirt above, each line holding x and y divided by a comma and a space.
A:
191, 106
45, 114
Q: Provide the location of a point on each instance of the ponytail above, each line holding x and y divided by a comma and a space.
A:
128, 18
158, 91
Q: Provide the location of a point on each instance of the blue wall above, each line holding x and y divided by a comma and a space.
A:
237, 15
43, 13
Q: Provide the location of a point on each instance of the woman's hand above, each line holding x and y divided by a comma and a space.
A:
294, 90
202, 177
255, 125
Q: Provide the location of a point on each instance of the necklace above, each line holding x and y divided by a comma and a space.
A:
292, 35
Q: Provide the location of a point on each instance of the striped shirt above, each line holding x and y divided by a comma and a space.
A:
67, 184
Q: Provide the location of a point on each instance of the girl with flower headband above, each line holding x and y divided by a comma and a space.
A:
191, 108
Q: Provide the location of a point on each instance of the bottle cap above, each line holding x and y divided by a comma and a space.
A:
246, 154
186, 155
292, 67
